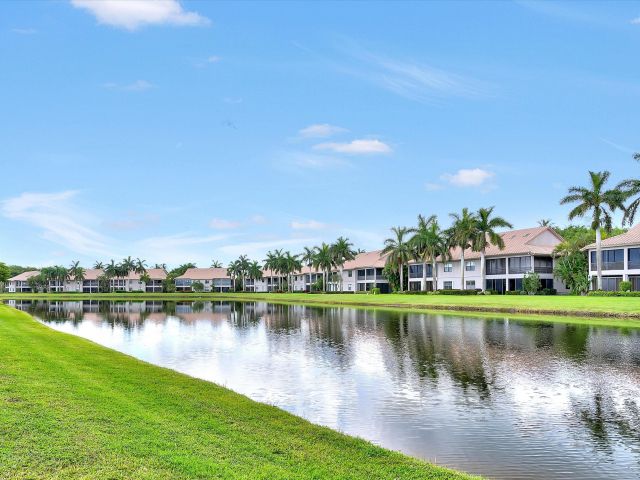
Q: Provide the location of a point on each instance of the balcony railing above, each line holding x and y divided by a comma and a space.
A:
541, 269
611, 266
634, 265
520, 269
496, 271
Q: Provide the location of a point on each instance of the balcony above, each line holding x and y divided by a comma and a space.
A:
634, 265
496, 271
611, 266
543, 269
520, 269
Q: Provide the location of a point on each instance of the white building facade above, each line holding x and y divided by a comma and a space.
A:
620, 260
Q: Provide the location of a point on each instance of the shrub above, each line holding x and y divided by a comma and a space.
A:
625, 286
531, 283
548, 291
514, 292
375, 291
603, 293
458, 292
197, 286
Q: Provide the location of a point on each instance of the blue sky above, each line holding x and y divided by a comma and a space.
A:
197, 130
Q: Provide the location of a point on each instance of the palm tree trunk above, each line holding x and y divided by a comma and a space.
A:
483, 275
599, 256
434, 275
462, 270
401, 272
423, 286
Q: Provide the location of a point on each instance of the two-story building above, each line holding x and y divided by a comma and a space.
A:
526, 250
20, 283
620, 260
212, 279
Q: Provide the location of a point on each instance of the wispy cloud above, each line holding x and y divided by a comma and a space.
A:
133, 14
635, 21
433, 187
409, 78
24, 31
297, 160
137, 86
222, 224
617, 146
59, 220
208, 61
472, 177
308, 225
356, 147
321, 130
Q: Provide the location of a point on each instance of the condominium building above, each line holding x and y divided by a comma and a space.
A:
363, 273
19, 283
526, 250
620, 260
212, 279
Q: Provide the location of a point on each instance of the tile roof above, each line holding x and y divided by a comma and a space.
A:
204, 274
24, 276
367, 260
632, 237
527, 241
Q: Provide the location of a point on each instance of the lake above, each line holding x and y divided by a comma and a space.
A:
496, 396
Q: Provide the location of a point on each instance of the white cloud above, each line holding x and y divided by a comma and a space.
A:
473, 177
356, 147
133, 14
309, 161
433, 187
320, 130
137, 86
635, 21
222, 224
59, 220
308, 225
24, 31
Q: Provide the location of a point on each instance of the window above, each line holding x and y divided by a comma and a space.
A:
634, 258
448, 267
414, 286
519, 264
610, 284
498, 285
470, 285
611, 260
415, 271
350, 273
448, 285
470, 267
543, 265
496, 266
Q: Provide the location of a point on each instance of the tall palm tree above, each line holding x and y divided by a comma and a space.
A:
216, 264
128, 264
545, 222
162, 266
233, 270
290, 264
307, 257
342, 251
76, 272
324, 261
629, 188
140, 266
273, 261
486, 235
398, 249
243, 267
461, 234
600, 204
421, 236
254, 272
98, 265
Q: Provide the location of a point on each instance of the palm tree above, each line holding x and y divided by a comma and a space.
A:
273, 262
98, 265
233, 270
461, 234
598, 202
545, 222
243, 266
342, 252
398, 249
324, 261
630, 187
428, 243
307, 257
140, 266
128, 264
254, 272
76, 272
290, 264
486, 235
216, 264
161, 266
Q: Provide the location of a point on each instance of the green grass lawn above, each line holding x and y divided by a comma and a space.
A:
549, 305
72, 409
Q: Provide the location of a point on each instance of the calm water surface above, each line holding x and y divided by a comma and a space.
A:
498, 397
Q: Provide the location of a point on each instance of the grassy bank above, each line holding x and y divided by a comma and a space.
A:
73, 409
615, 307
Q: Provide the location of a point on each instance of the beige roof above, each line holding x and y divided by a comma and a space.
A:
528, 241
157, 273
204, 273
367, 260
24, 276
632, 237
92, 273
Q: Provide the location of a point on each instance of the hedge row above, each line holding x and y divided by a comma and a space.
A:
603, 293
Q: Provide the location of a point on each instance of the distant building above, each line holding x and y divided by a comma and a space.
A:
620, 260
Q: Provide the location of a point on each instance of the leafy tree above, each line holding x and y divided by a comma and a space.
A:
573, 270
531, 283
197, 286
5, 274
398, 249
461, 234
486, 235
598, 202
